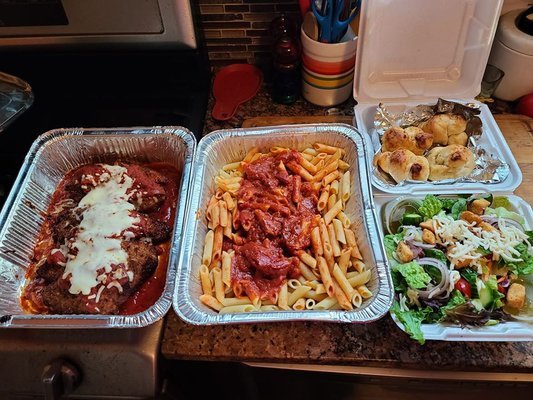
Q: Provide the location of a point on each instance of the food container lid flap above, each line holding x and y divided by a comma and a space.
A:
420, 50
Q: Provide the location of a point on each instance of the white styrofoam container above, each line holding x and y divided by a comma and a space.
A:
412, 52
512, 331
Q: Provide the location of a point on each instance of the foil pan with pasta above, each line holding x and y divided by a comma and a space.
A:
228, 146
51, 156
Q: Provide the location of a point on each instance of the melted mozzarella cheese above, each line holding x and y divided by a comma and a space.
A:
106, 214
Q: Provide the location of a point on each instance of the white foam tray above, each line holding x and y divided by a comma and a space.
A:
510, 331
492, 141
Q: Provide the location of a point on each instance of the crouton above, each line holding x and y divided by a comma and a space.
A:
516, 296
486, 226
428, 225
404, 252
428, 236
478, 206
470, 217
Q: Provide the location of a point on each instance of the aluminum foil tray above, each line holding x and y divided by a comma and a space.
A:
51, 156
508, 331
224, 146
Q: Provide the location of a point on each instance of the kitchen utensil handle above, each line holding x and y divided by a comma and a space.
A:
60, 378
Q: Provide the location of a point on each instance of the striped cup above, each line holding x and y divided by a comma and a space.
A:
328, 69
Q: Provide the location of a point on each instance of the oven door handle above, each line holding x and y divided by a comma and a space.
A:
60, 378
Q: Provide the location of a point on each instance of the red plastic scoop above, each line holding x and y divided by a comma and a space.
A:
234, 85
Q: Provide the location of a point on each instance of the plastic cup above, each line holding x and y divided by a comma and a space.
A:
328, 69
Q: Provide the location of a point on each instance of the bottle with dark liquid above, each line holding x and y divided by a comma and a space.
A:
286, 52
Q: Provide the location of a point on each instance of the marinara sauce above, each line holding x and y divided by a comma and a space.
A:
276, 212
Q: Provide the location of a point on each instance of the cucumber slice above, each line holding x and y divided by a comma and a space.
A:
412, 219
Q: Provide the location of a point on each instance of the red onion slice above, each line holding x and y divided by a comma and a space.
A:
442, 287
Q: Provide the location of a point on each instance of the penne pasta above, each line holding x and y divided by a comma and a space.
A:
283, 297
223, 217
336, 248
235, 301
342, 281
344, 259
345, 195
339, 231
360, 279
219, 286
335, 187
252, 200
230, 203
323, 199
364, 291
324, 148
332, 213
226, 267
326, 304
250, 154
316, 241
356, 299
307, 259
210, 301
205, 280
293, 283
306, 272
237, 309
208, 248
344, 219
341, 297
325, 275
310, 304
332, 200
231, 166
217, 244
299, 304
298, 293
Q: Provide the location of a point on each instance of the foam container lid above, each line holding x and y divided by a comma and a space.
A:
421, 50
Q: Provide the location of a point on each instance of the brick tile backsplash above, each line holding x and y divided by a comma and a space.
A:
238, 30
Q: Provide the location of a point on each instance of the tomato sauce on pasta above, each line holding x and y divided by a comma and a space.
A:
276, 213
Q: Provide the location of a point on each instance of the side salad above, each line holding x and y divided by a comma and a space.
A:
466, 260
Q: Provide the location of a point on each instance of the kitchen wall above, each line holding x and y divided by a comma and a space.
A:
237, 31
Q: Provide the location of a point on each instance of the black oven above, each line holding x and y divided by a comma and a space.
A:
93, 86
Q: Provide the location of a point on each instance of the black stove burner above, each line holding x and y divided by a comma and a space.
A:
97, 90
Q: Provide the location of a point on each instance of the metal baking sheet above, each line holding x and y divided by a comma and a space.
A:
51, 156
224, 146
512, 330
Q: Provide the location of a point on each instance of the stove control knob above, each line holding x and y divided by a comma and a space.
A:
60, 378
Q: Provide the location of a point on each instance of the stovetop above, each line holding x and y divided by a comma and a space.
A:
92, 90
102, 89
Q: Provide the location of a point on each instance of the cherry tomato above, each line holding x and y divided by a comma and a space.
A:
525, 105
464, 287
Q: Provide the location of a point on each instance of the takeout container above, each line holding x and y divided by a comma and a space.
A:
506, 331
51, 156
224, 146
413, 52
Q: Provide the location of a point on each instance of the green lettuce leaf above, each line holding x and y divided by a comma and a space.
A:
436, 253
524, 267
492, 284
390, 242
400, 285
447, 204
412, 320
456, 299
414, 274
430, 206
458, 208
503, 213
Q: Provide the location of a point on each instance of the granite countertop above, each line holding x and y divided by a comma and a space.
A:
380, 344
